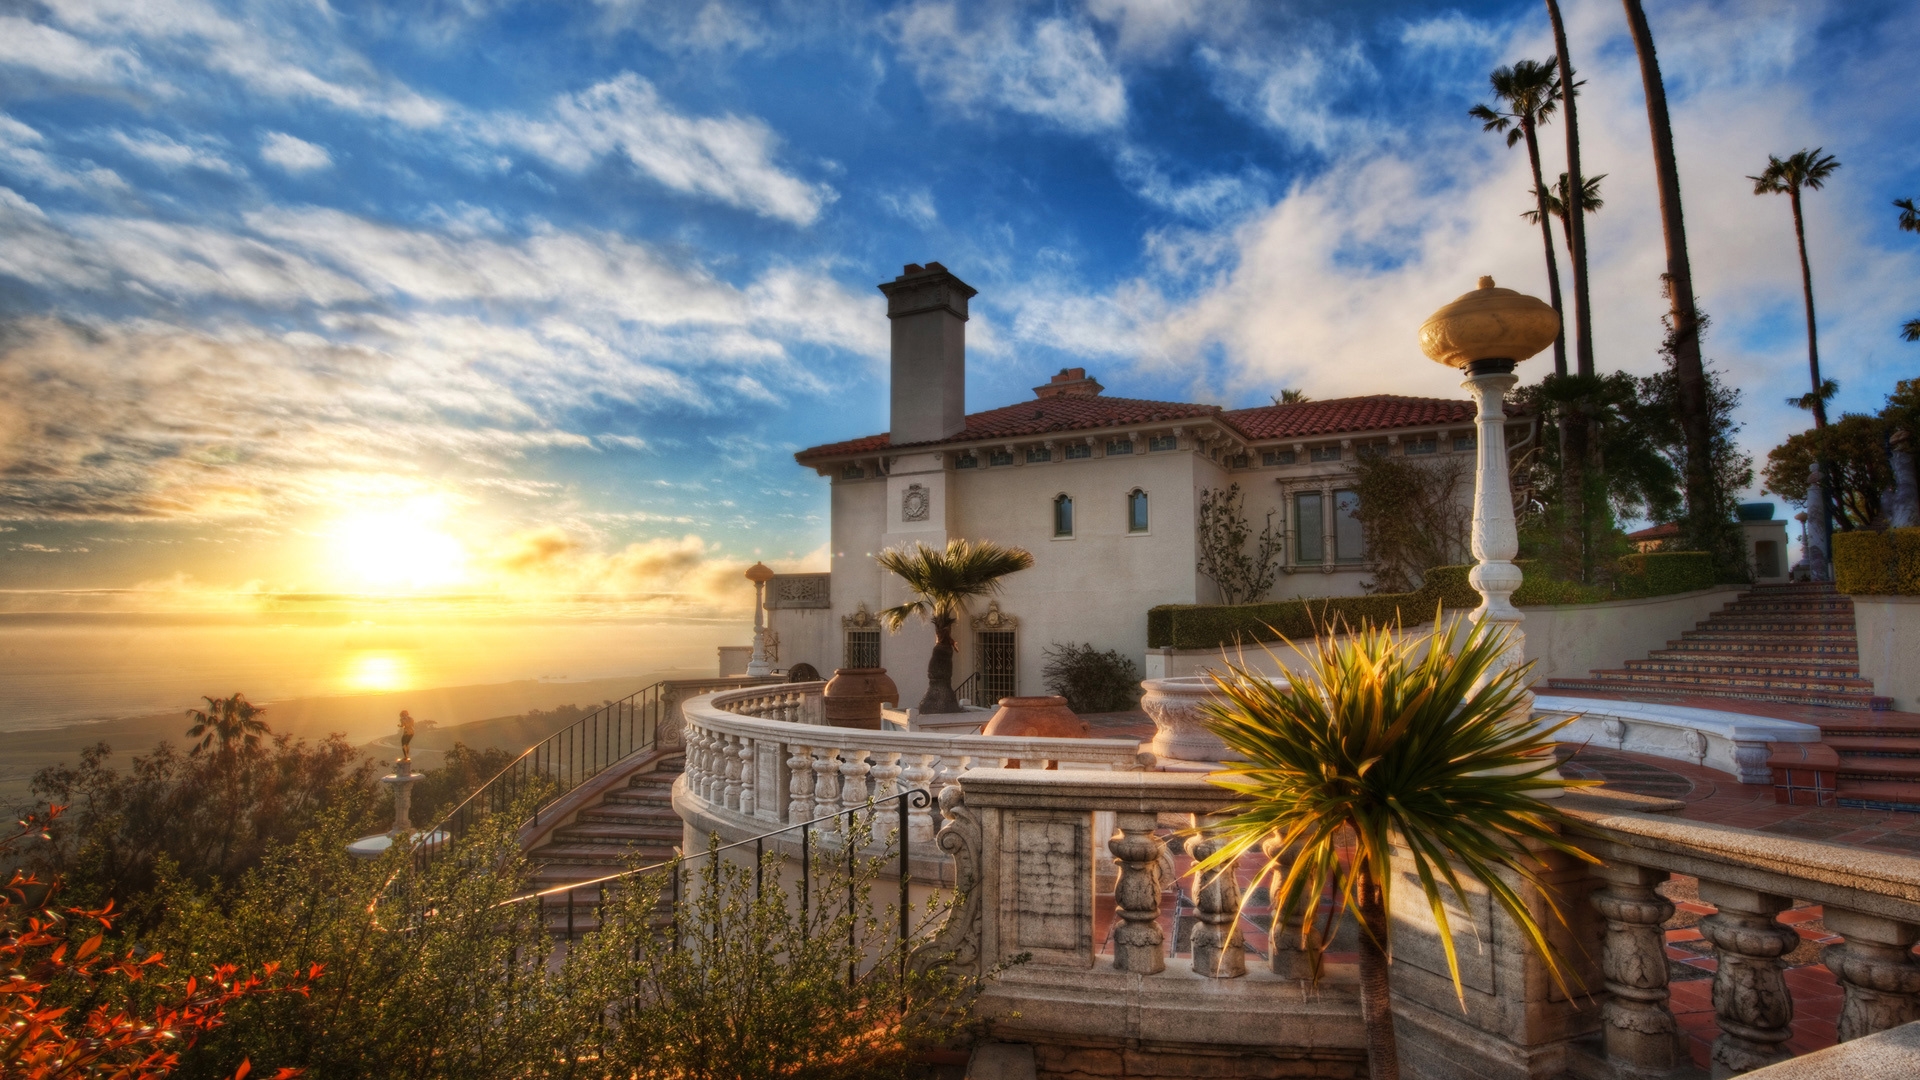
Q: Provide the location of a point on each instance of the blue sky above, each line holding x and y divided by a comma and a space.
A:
544, 296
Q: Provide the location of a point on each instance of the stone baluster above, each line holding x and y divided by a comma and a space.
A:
696, 743
1293, 941
886, 785
826, 781
749, 798
714, 774
948, 774
919, 774
1750, 998
1877, 968
730, 761
854, 768
1219, 951
799, 783
1640, 1033
1138, 944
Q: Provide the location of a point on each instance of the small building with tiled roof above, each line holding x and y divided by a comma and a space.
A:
1104, 490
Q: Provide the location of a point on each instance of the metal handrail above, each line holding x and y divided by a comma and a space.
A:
968, 687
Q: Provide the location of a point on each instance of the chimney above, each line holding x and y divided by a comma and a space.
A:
1071, 382
928, 307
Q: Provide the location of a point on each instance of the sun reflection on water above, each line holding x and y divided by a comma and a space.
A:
376, 672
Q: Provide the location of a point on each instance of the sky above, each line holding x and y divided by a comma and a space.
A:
508, 302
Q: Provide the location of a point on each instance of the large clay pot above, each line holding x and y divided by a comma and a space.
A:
1038, 718
1179, 732
854, 696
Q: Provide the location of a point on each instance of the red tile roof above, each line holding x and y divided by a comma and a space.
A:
1085, 412
1656, 532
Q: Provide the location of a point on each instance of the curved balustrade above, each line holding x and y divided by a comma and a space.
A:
763, 756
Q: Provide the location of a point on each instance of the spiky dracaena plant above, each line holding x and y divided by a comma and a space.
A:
942, 582
1389, 741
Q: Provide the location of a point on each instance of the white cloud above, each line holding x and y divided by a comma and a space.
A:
20, 154
1294, 93
914, 206
1053, 68
1211, 197
49, 51
725, 158
292, 154
169, 153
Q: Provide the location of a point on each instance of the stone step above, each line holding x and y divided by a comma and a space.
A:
638, 813
1899, 744
1678, 688
1879, 795
1744, 665
1840, 604
1779, 624
1864, 768
1836, 645
1811, 683
623, 833
602, 855
1875, 727
1824, 661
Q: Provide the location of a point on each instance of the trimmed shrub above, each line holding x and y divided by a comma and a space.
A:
1091, 680
1663, 573
1877, 563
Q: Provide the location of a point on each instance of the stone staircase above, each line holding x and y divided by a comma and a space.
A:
1879, 761
635, 824
1787, 643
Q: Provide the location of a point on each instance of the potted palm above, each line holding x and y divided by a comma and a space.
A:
942, 582
1384, 744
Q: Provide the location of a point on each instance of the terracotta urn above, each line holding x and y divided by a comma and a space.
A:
1038, 718
854, 696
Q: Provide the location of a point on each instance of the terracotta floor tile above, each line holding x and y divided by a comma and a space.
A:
1689, 933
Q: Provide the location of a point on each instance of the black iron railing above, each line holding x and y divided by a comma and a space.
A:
967, 688
566, 759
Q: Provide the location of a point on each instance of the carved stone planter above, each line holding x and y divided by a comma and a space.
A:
1179, 731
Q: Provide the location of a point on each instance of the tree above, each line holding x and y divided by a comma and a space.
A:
1386, 740
1853, 460
1291, 397
1684, 327
1555, 201
942, 582
1222, 538
1576, 218
1415, 516
1530, 92
1909, 222
227, 721
1092, 681
1807, 170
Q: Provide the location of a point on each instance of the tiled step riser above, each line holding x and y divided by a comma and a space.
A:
1780, 669
1686, 690
1775, 625
1798, 685
1766, 646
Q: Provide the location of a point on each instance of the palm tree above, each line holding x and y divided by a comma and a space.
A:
1909, 222
227, 721
1555, 201
1683, 321
942, 583
1381, 740
1576, 225
1805, 171
1291, 397
1530, 92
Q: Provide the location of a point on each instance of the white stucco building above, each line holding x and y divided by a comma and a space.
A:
1103, 490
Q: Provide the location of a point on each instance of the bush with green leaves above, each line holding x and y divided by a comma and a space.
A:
1090, 679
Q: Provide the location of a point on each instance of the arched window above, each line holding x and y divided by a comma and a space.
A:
1136, 511
1063, 515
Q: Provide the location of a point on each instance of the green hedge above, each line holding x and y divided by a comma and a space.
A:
1877, 563
1209, 626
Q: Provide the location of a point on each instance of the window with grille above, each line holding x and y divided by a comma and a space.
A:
1038, 454
1371, 450
1462, 443
852, 472
966, 461
1324, 453
1277, 457
863, 648
1162, 442
1238, 461
1000, 457
1118, 447
1418, 446
1076, 451
994, 660
1349, 539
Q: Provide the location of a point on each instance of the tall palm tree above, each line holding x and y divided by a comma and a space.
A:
942, 582
1576, 226
1530, 92
1291, 397
1683, 320
227, 721
1555, 201
1909, 222
1388, 739
1805, 171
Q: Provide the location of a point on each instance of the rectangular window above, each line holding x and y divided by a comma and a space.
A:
1465, 444
1062, 516
1239, 461
852, 472
1324, 453
994, 659
999, 457
1309, 529
1371, 450
1137, 511
1076, 451
863, 648
1349, 540
1162, 442
966, 461
1119, 447
1277, 457
1038, 454
1418, 446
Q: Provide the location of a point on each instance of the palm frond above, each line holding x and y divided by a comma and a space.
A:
1909, 215
1395, 744
1911, 331
944, 580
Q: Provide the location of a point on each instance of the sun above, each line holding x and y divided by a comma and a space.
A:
398, 548
375, 672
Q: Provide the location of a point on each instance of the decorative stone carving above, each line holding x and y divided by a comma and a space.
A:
915, 503
1640, 1032
1697, 746
1293, 940
800, 783
957, 943
1219, 952
861, 619
799, 591
1179, 731
1877, 968
1138, 944
1617, 731
1750, 998
994, 619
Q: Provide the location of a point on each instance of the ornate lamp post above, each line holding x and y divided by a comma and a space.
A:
1485, 333
757, 665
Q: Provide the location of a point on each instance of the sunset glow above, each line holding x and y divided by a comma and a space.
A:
397, 549
378, 672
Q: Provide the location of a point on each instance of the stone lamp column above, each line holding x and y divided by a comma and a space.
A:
1485, 334
757, 665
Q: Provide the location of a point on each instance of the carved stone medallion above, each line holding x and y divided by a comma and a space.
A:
914, 503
